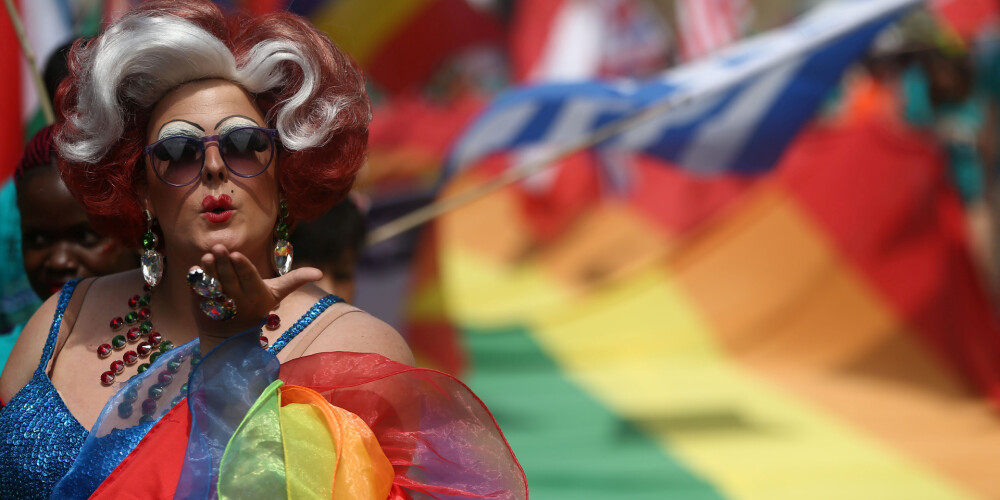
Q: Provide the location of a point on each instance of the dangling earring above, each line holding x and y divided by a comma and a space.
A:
152, 261
282, 248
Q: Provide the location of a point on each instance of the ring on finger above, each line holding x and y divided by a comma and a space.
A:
216, 304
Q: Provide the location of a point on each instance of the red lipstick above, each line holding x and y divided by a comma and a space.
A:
217, 210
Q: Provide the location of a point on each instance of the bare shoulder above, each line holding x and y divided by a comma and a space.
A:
357, 331
27, 352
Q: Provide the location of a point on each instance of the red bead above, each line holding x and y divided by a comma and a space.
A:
134, 301
144, 314
273, 321
148, 406
117, 366
104, 350
263, 341
146, 287
164, 378
144, 349
117, 323
108, 378
133, 334
155, 338
130, 357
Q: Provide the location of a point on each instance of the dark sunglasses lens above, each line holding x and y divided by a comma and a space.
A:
247, 151
177, 160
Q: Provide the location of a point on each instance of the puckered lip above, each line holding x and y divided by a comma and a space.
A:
218, 204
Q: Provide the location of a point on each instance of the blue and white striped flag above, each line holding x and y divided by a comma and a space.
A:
732, 112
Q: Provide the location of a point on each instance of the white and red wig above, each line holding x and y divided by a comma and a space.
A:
307, 88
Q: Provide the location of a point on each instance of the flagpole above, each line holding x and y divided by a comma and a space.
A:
43, 94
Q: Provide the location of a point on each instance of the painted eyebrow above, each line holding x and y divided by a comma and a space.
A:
235, 116
179, 120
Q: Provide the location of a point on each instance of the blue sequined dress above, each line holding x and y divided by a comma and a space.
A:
40, 438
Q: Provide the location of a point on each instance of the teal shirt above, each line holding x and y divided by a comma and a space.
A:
957, 124
17, 300
7, 341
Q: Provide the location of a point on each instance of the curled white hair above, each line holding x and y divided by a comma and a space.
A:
141, 58
299, 125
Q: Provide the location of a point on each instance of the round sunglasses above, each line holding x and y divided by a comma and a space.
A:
178, 160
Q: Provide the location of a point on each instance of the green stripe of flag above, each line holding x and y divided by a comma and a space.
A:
570, 445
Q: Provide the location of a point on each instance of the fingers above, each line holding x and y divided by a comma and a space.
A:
208, 265
225, 272
245, 272
241, 281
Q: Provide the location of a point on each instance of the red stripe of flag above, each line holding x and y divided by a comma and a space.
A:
929, 280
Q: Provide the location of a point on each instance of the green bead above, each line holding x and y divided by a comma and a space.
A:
125, 409
131, 317
166, 345
143, 367
152, 357
284, 210
149, 240
155, 391
146, 326
131, 394
118, 342
184, 388
282, 231
144, 300
173, 366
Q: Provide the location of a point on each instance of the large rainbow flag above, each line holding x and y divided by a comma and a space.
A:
819, 333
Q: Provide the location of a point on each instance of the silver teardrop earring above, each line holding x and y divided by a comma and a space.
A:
152, 261
282, 248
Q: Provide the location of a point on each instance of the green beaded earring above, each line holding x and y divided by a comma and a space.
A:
152, 261
282, 248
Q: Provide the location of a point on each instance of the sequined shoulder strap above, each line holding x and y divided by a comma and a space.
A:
303, 322
50, 342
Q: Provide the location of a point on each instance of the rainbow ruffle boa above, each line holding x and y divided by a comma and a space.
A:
333, 425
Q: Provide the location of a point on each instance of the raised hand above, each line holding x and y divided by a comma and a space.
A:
253, 295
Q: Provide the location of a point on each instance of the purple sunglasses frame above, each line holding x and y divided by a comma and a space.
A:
271, 133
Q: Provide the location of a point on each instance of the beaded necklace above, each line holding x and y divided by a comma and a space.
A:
155, 391
150, 404
151, 343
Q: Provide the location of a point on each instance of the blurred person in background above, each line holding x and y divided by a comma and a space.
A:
939, 94
47, 239
920, 74
332, 243
58, 243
